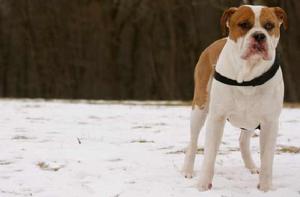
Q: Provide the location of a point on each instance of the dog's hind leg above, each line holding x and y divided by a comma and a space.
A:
203, 75
198, 117
245, 137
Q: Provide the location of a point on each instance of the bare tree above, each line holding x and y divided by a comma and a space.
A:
117, 49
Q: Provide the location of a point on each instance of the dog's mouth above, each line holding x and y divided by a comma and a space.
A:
256, 49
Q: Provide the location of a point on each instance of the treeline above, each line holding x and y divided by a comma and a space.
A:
118, 49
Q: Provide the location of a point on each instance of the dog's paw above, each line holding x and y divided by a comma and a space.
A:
265, 182
204, 186
188, 168
187, 173
204, 183
264, 187
254, 170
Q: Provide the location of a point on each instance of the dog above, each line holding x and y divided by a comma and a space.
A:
238, 79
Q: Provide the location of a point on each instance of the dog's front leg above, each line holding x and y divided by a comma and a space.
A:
267, 140
214, 133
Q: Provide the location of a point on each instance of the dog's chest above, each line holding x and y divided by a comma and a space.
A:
247, 108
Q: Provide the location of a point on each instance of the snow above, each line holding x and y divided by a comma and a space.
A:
103, 149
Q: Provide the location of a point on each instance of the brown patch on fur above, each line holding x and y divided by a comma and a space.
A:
268, 16
282, 16
225, 17
243, 14
204, 71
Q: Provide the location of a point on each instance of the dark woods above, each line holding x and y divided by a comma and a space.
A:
118, 49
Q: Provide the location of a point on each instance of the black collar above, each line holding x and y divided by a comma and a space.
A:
254, 82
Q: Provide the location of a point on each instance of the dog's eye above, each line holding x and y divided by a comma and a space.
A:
245, 25
269, 26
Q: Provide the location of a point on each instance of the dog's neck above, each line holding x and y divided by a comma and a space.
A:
232, 66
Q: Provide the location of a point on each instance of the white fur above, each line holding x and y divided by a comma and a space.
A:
245, 137
245, 107
257, 10
198, 117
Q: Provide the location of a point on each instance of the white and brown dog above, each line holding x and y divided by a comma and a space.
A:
238, 79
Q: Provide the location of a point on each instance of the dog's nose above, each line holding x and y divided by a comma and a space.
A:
259, 37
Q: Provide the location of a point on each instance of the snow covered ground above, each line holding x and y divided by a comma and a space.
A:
61, 148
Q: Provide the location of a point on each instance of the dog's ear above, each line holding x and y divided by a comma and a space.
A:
225, 19
282, 16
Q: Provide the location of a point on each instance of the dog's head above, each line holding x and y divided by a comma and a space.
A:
254, 30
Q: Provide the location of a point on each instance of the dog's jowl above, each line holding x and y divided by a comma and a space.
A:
238, 79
